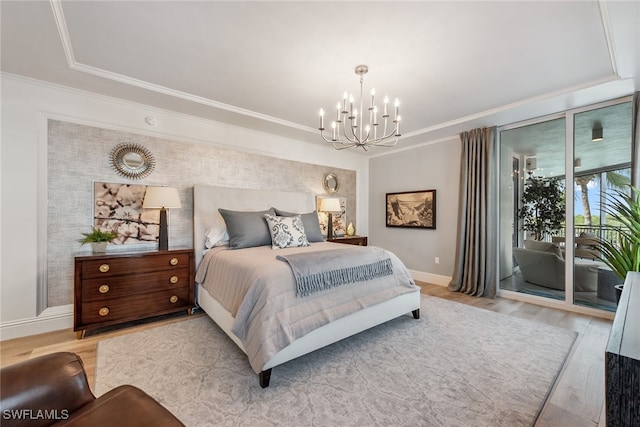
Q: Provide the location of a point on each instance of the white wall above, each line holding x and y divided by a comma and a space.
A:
26, 106
430, 166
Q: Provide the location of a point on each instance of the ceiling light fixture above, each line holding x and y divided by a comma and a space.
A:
596, 134
356, 133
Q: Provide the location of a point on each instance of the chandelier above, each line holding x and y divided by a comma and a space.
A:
349, 130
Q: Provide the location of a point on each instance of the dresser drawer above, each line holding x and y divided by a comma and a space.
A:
119, 286
135, 306
127, 265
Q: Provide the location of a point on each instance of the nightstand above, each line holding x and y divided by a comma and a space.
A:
111, 289
350, 240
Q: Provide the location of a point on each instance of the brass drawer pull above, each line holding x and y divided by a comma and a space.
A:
103, 289
103, 311
104, 268
174, 279
173, 299
173, 261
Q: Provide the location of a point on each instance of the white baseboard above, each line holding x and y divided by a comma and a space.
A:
435, 279
51, 319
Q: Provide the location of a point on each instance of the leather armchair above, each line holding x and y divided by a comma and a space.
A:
53, 390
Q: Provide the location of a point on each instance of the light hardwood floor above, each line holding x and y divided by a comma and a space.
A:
577, 398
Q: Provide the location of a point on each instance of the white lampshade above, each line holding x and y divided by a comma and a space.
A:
161, 197
330, 205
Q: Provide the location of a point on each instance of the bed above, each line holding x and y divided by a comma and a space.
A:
236, 298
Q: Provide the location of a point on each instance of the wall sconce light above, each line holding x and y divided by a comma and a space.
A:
596, 133
163, 198
330, 205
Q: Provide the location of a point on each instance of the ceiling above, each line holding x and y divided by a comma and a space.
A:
272, 65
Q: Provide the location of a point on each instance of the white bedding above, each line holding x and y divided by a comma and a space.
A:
260, 293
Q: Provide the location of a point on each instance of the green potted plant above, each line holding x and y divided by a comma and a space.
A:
623, 253
98, 239
542, 210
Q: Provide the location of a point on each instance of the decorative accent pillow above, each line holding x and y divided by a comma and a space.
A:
286, 231
216, 236
247, 229
585, 235
310, 222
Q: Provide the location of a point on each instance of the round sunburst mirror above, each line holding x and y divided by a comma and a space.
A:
330, 183
132, 160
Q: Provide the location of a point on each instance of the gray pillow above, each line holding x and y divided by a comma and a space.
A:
247, 229
310, 223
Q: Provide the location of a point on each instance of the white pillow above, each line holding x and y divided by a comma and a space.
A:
216, 236
286, 231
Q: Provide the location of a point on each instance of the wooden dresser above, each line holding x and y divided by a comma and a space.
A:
110, 289
350, 240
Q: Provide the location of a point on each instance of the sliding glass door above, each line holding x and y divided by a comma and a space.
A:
555, 175
602, 165
532, 206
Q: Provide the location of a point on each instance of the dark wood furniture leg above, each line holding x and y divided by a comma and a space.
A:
416, 314
265, 377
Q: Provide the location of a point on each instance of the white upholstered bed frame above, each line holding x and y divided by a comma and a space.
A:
206, 201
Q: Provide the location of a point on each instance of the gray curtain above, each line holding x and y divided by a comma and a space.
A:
635, 141
476, 248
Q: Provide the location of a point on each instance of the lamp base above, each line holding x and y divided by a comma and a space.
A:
330, 226
163, 237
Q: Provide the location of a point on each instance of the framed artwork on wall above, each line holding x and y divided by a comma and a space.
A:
411, 209
118, 208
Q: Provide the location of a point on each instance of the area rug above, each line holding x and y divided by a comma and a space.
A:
455, 366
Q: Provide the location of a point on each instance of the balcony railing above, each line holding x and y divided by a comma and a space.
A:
604, 232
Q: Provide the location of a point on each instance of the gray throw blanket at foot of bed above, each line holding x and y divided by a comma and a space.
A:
317, 271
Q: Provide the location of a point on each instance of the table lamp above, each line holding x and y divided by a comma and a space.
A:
330, 205
163, 198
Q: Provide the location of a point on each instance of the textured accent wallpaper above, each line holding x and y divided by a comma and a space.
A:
79, 155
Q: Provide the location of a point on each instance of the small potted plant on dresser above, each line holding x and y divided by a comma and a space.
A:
98, 239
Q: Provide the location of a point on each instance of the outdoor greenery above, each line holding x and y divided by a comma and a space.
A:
618, 180
542, 211
623, 254
97, 235
580, 220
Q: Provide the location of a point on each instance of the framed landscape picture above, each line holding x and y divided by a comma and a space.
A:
412, 209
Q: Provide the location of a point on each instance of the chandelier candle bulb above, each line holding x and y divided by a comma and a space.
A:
333, 126
321, 119
386, 102
344, 103
338, 113
373, 97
